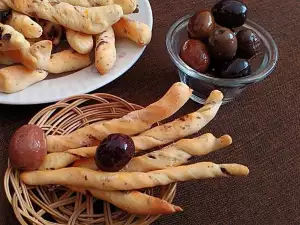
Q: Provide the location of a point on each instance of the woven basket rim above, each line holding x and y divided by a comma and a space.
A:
31, 204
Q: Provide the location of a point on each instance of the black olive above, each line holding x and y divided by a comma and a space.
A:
230, 13
4, 15
114, 152
248, 42
235, 69
222, 44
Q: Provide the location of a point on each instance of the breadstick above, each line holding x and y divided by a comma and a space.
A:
66, 61
5, 60
128, 6
87, 20
105, 51
86, 178
3, 6
171, 156
80, 42
133, 202
16, 78
25, 25
52, 160
130, 124
10, 39
136, 31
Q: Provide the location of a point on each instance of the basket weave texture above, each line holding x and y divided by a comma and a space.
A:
50, 205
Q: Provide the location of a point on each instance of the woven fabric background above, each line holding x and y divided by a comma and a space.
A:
264, 123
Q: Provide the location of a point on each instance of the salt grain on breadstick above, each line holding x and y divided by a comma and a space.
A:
130, 124
80, 42
136, 31
92, 20
105, 51
86, 178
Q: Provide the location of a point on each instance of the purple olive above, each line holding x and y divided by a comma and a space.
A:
114, 152
248, 42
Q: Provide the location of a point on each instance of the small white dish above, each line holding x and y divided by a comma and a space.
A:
54, 89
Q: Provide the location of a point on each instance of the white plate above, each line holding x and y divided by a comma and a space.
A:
86, 80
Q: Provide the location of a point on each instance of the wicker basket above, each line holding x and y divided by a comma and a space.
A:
50, 205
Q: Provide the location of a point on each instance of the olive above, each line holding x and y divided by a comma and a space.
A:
248, 42
194, 53
27, 148
235, 69
230, 13
114, 152
201, 25
4, 15
222, 44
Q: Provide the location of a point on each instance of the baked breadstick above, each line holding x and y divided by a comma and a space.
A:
136, 31
133, 202
10, 39
16, 78
25, 25
86, 178
166, 133
80, 42
130, 124
3, 6
5, 60
52, 161
105, 51
171, 156
87, 20
66, 61
128, 6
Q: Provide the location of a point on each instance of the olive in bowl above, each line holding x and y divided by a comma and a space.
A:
203, 83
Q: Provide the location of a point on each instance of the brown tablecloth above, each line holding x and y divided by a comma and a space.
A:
264, 123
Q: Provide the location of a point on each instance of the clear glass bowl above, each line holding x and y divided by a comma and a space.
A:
203, 84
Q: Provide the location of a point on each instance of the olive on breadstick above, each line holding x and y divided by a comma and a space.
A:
92, 20
105, 51
136, 31
17, 77
133, 202
130, 124
80, 42
163, 134
66, 61
87, 178
25, 25
170, 156
10, 39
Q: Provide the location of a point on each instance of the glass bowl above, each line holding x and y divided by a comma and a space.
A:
203, 84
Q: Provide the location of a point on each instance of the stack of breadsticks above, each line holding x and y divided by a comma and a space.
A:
29, 29
70, 159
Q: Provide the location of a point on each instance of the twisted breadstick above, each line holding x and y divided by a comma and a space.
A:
10, 39
130, 124
80, 42
128, 6
87, 20
87, 178
171, 156
136, 31
133, 202
25, 25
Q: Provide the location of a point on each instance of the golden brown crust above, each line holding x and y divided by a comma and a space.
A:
136, 31
92, 20
132, 123
105, 51
87, 178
